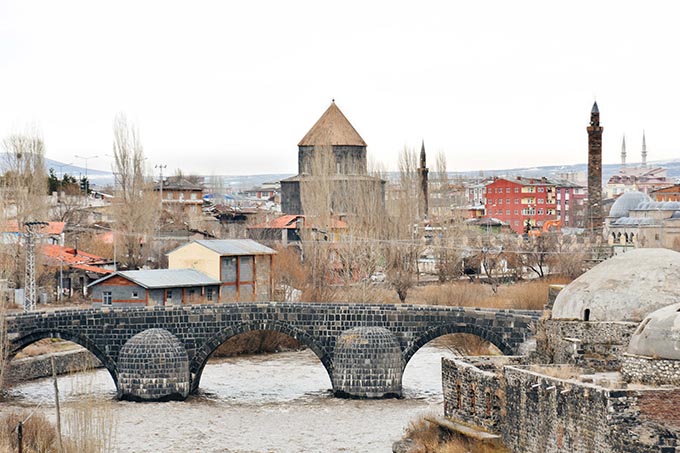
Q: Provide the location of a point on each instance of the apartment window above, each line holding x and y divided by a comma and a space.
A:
209, 294
516, 200
516, 211
507, 200
541, 201
500, 201
516, 189
106, 297
540, 189
540, 212
516, 222
193, 196
168, 195
135, 295
507, 190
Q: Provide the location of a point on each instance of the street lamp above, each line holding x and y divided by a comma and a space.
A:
86, 158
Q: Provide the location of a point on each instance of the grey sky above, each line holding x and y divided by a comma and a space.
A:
231, 87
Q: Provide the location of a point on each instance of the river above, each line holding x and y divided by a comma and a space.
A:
266, 403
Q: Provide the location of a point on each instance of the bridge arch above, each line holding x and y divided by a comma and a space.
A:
200, 359
446, 329
20, 343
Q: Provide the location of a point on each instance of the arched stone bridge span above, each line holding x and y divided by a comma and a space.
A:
157, 353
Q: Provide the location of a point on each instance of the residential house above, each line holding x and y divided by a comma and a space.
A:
154, 287
74, 269
243, 267
287, 229
181, 195
52, 233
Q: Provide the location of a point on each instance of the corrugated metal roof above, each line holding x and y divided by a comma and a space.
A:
232, 247
168, 278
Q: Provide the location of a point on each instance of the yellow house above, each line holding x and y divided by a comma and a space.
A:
243, 266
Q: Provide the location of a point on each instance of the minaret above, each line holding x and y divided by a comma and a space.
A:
623, 152
595, 170
644, 150
423, 180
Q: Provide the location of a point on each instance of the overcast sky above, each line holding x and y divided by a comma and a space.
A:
230, 87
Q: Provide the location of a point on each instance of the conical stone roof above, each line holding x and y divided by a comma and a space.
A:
333, 128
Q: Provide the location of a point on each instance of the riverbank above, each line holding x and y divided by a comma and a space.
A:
40, 366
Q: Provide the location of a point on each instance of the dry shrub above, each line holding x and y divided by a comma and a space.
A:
256, 342
39, 435
465, 344
428, 437
526, 295
45, 346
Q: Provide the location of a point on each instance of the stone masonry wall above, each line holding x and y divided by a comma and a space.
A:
597, 345
548, 414
475, 395
647, 370
37, 367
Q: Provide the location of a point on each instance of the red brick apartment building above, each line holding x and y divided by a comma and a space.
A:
526, 201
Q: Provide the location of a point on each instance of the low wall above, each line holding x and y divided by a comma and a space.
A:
597, 345
65, 362
549, 414
651, 371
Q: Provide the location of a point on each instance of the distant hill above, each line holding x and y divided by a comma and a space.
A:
240, 182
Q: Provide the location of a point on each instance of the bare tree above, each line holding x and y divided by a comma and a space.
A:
136, 206
402, 246
24, 191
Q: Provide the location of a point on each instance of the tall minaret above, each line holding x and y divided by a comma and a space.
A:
423, 180
644, 150
623, 151
595, 170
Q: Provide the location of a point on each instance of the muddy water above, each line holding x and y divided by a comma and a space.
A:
270, 403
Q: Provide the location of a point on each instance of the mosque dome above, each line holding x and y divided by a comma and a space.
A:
625, 287
658, 335
626, 202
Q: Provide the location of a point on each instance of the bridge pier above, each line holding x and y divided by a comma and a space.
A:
367, 363
153, 366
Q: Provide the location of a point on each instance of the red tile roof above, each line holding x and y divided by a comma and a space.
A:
77, 259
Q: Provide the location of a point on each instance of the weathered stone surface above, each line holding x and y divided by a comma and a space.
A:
625, 287
200, 329
367, 364
153, 366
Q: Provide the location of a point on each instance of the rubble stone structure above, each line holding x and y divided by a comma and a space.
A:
605, 375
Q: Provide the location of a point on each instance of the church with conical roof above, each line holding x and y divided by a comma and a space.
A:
332, 158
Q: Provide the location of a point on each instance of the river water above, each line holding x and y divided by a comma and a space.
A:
266, 403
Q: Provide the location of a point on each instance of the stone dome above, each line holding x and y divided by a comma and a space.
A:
153, 366
626, 202
367, 363
658, 336
626, 287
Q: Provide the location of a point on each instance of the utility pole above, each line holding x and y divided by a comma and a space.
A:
160, 180
32, 229
87, 181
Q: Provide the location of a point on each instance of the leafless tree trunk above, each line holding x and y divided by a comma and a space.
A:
402, 246
136, 205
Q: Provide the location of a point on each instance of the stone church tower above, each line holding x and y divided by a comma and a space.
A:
332, 155
595, 170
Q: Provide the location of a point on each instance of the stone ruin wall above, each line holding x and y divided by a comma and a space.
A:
650, 371
474, 393
597, 345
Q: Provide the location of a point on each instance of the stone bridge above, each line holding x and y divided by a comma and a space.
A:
159, 353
